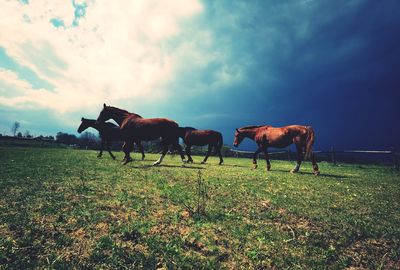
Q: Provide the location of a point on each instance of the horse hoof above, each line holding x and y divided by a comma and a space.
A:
156, 163
268, 168
293, 171
221, 163
255, 167
203, 162
126, 161
316, 173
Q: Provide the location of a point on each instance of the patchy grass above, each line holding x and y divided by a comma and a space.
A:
64, 208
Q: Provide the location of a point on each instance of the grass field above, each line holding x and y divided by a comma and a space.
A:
65, 208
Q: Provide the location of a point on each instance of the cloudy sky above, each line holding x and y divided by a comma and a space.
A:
218, 65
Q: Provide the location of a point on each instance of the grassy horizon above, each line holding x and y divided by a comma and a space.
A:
65, 208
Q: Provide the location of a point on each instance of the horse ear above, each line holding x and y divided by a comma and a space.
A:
104, 105
237, 131
82, 119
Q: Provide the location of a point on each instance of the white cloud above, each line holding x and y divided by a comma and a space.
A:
114, 54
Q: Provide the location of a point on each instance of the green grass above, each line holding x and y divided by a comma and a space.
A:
65, 208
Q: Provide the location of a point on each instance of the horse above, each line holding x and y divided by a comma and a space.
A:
267, 136
192, 136
108, 133
135, 128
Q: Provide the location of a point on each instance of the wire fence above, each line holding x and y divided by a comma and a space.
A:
386, 157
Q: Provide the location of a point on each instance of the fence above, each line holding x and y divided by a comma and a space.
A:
333, 156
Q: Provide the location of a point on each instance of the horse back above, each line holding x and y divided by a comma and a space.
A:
149, 128
281, 137
148, 122
202, 137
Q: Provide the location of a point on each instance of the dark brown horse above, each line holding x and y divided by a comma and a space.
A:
108, 133
267, 136
135, 128
192, 136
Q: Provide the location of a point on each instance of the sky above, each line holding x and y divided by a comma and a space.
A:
217, 65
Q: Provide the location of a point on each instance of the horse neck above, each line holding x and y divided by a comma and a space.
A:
249, 133
89, 123
181, 132
92, 124
119, 115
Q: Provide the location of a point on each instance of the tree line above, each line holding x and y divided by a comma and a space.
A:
89, 140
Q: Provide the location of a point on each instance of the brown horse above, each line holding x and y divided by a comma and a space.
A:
135, 128
192, 136
108, 133
267, 136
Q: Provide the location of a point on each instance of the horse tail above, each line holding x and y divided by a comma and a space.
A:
309, 142
220, 141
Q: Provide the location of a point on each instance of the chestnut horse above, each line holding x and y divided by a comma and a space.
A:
267, 136
135, 128
108, 133
192, 136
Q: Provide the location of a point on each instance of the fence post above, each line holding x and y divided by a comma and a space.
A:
396, 164
333, 155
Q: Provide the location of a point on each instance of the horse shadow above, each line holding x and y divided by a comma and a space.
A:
324, 175
234, 165
184, 166
149, 166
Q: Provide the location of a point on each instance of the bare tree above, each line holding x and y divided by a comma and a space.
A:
15, 127
27, 134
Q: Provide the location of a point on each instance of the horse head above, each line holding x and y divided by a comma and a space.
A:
105, 114
84, 125
239, 136
118, 115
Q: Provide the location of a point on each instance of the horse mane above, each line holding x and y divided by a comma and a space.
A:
124, 111
93, 121
191, 128
251, 127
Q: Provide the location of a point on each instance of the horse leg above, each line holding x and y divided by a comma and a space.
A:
267, 159
164, 151
108, 149
300, 157
178, 147
188, 153
255, 156
208, 154
127, 147
101, 148
314, 164
140, 147
175, 144
218, 149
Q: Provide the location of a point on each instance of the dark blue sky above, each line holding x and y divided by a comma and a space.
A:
333, 65
330, 64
